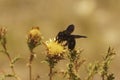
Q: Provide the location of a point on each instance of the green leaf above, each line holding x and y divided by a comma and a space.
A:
110, 77
44, 61
2, 77
2, 51
9, 75
15, 59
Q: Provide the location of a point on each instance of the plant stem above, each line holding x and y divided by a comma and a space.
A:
51, 73
30, 72
103, 77
30, 64
11, 64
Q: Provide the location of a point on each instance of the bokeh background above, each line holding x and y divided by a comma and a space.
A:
97, 19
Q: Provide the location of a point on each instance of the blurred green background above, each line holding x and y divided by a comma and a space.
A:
97, 19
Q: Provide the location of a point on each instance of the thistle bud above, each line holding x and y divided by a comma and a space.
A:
34, 38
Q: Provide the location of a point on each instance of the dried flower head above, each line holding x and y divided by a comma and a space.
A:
34, 37
54, 48
2, 32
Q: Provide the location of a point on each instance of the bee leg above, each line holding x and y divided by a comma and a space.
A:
71, 44
65, 43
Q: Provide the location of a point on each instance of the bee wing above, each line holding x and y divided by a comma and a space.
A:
70, 28
78, 36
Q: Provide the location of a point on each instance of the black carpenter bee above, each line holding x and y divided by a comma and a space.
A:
68, 37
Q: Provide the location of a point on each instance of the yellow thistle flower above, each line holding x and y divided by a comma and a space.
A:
34, 37
54, 48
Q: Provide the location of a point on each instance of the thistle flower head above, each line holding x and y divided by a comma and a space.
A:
34, 37
55, 48
55, 52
